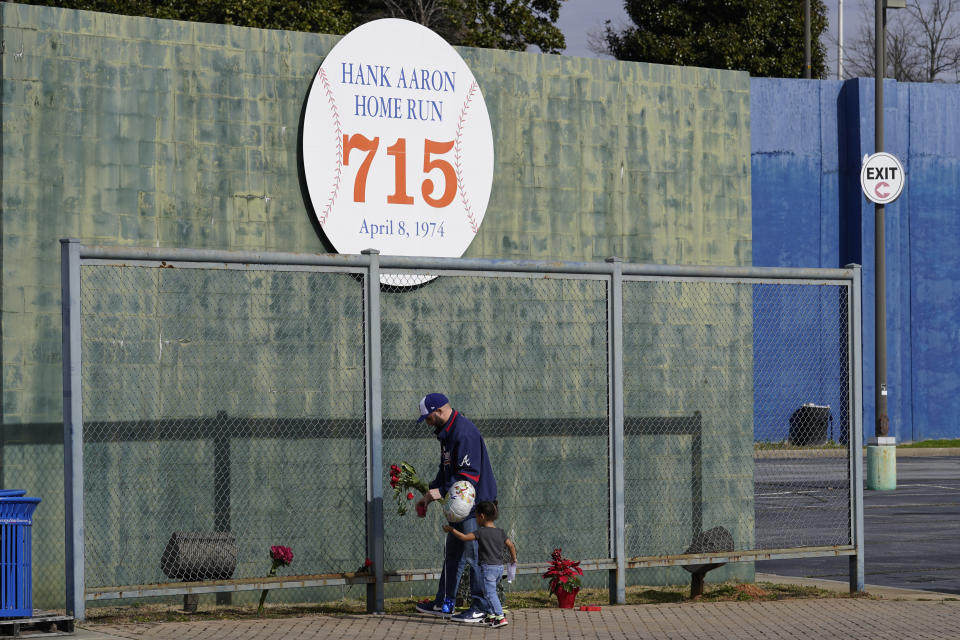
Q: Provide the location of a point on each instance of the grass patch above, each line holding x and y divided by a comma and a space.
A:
785, 445
933, 444
156, 613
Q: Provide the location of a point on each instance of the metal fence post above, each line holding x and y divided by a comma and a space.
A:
855, 441
72, 427
374, 414
618, 590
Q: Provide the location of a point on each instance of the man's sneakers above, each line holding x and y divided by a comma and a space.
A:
496, 621
430, 607
469, 616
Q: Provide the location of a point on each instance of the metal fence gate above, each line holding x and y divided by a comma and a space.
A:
218, 403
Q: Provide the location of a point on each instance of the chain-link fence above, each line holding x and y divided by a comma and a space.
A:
730, 388
636, 416
220, 401
526, 359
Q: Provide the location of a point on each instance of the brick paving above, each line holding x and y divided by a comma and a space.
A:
801, 619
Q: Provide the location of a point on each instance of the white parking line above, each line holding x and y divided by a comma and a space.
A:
935, 486
789, 493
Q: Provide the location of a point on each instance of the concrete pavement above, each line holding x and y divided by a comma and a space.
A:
935, 617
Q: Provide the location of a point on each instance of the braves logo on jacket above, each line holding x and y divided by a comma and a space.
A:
463, 456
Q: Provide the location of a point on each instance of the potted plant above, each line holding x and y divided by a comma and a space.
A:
564, 576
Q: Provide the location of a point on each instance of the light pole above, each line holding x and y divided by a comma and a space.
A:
881, 455
839, 39
806, 39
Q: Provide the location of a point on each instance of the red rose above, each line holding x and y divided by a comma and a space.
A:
281, 555
368, 562
410, 496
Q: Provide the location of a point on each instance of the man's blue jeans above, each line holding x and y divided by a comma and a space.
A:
456, 555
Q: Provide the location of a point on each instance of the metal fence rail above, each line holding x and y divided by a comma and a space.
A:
219, 403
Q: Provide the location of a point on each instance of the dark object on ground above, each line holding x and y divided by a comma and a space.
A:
716, 540
194, 556
808, 425
42, 623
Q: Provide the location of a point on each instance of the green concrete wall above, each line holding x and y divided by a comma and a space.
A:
130, 131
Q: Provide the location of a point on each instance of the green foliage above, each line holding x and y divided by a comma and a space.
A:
496, 24
932, 444
513, 25
319, 16
763, 37
507, 24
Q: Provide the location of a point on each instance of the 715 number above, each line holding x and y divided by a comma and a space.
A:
399, 152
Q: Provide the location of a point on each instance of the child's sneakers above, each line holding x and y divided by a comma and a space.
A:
496, 621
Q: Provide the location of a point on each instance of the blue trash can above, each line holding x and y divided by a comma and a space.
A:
16, 564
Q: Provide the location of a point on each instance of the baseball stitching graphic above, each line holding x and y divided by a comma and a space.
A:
458, 152
335, 189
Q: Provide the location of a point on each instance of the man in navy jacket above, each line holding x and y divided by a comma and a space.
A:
463, 456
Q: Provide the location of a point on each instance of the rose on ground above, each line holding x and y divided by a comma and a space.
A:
280, 556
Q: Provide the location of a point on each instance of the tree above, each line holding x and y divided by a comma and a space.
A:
902, 59
501, 24
322, 16
764, 37
514, 25
923, 43
938, 37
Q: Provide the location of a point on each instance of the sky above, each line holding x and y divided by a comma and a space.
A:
579, 17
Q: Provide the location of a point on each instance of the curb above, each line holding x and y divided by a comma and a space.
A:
920, 452
902, 452
839, 586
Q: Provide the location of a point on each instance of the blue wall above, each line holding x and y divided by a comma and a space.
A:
808, 139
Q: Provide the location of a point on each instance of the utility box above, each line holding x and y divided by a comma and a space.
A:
808, 425
16, 553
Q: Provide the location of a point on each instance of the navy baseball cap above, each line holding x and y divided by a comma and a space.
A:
431, 403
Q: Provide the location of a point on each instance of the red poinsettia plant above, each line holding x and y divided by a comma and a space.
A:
563, 573
403, 477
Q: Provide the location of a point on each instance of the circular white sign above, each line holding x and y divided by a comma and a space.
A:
397, 147
882, 177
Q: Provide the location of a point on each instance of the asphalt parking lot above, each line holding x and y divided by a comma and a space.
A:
911, 533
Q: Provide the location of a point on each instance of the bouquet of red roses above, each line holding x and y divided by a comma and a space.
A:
403, 477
